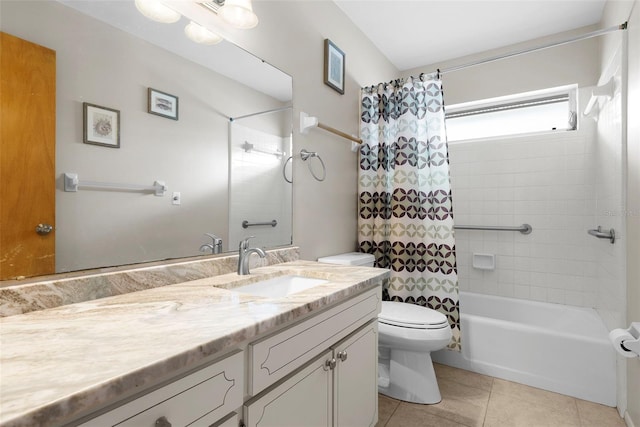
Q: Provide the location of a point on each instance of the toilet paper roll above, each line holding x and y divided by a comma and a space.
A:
617, 336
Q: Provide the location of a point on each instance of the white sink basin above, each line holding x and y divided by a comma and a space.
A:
280, 286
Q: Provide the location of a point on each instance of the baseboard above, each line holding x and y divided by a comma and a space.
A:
627, 419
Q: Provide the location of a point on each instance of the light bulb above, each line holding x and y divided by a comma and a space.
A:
200, 34
157, 11
238, 13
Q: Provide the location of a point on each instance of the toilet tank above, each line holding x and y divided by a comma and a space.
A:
350, 258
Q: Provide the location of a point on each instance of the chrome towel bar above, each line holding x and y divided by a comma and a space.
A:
246, 224
603, 234
524, 228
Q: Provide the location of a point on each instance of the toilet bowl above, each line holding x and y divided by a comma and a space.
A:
407, 334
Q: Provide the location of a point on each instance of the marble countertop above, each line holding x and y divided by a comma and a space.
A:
64, 362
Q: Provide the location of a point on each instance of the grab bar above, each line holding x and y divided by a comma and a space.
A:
246, 224
72, 183
524, 228
603, 234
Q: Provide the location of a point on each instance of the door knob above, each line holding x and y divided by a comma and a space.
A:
44, 229
342, 355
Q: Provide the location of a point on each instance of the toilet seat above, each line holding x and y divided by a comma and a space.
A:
412, 316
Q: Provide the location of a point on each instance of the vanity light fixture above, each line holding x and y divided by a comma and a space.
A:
156, 11
200, 34
238, 13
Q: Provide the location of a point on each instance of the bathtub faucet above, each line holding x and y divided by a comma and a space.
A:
244, 253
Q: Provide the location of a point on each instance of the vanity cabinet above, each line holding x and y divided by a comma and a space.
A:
320, 371
198, 399
355, 395
339, 388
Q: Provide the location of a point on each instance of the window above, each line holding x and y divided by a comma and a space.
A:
539, 111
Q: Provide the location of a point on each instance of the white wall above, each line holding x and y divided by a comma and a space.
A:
633, 207
572, 63
628, 214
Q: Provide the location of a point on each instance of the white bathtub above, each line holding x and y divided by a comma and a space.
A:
555, 347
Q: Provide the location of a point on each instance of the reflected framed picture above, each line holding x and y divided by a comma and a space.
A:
334, 60
162, 104
101, 125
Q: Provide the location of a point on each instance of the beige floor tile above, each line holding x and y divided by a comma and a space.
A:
461, 376
595, 415
506, 410
461, 404
386, 407
556, 401
414, 415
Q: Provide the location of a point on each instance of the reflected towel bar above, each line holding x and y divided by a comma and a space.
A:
524, 228
246, 224
72, 183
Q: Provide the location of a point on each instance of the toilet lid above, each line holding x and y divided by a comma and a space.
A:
411, 316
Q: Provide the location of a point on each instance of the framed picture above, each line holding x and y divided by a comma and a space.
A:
333, 66
162, 104
101, 125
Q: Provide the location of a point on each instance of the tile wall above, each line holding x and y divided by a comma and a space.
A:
545, 180
611, 208
259, 192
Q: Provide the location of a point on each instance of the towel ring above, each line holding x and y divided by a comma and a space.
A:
284, 170
305, 155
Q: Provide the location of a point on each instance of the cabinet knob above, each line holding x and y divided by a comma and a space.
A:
163, 422
330, 364
342, 355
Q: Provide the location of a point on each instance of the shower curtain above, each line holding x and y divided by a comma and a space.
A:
405, 212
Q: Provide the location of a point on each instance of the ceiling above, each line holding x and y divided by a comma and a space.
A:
414, 33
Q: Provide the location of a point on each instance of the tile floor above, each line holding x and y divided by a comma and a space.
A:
470, 399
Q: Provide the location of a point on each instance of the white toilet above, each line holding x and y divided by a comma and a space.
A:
407, 334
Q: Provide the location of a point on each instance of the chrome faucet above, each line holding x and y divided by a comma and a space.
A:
244, 253
215, 247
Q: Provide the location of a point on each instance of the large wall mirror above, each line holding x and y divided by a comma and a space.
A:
220, 148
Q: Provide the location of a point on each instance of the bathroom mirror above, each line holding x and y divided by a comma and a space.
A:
219, 147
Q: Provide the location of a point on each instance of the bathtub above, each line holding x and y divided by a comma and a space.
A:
559, 348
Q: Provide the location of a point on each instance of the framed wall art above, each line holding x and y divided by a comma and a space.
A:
162, 104
101, 125
334, 60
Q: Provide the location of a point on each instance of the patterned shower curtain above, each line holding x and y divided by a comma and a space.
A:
405, 214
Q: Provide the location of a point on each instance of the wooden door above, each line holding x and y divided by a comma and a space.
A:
27, 157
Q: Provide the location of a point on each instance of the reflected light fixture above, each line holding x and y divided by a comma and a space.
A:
238, 13
156, 11
200, 34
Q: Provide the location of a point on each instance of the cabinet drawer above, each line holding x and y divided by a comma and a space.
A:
199, 399
274, 357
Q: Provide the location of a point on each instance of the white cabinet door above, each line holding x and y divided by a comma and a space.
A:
356, 379
304, 399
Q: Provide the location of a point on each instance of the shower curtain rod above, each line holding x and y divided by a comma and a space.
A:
259, 113
596, 33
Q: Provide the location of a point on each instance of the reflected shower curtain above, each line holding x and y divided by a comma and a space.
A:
405, 215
